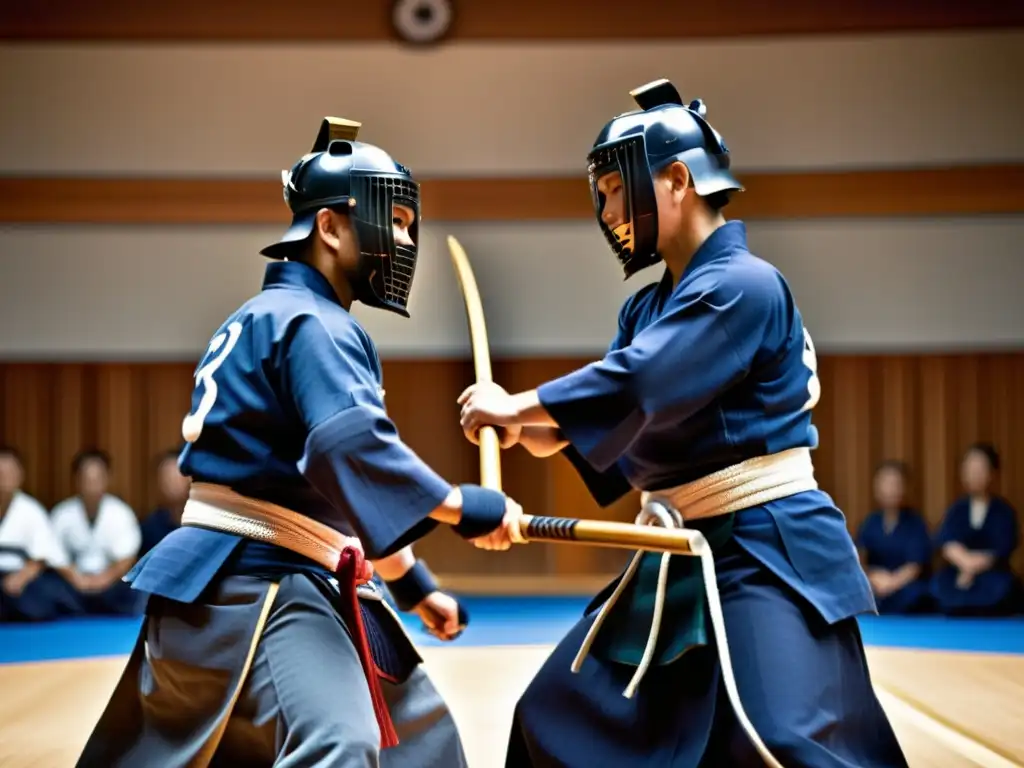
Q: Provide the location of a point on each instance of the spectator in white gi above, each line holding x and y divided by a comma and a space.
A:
31, 558
101, 534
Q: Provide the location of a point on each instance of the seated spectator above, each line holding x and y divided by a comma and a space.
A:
895, 545
977, 537
31, 589
101, 535
174, 488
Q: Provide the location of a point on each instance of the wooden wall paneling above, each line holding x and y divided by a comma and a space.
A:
952, 191
526, 479
27, 416
420, 398
999, 376
166, 399
555, 486
823, 418
853, 456
923, 409
1012, 443
969, 424
73, 424
1002, 397
573, 500
899, 421
1011, 428
121, 424
938, 454
990, 396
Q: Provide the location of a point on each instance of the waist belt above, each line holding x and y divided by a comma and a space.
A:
221, 509
748, 484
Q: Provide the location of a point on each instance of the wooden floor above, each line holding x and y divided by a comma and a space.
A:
950, 710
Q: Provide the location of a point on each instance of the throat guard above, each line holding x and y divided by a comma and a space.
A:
364, 182
640, 143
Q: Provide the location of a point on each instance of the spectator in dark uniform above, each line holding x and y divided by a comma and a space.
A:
895, 545
978, 535
173, 487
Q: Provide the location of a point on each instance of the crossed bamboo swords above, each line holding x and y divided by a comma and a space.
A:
559, 530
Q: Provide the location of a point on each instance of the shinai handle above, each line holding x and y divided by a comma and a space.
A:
603, 533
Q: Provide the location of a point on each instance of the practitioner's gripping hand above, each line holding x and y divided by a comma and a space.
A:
442, 616
416, 591
506, 534
488, 404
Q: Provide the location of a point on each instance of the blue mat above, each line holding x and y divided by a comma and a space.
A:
938, 633
511, 621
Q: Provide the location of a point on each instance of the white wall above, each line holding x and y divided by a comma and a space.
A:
507, 109
485, 110
873, 285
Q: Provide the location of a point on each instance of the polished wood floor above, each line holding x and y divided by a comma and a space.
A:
950, 710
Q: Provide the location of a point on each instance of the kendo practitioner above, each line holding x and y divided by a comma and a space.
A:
101, 536
895, 546
173, 488
978, 535
34, 567
703, 403
255, 649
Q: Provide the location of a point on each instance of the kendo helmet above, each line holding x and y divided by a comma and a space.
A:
364, 182
640, 143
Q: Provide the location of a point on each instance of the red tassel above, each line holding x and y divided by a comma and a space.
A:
353, 570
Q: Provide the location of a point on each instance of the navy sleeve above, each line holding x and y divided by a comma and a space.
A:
606, 486
704, 341
609, 485
353, 454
